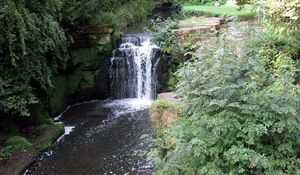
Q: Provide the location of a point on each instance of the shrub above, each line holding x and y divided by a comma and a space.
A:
283, 16
162, 33
241, 119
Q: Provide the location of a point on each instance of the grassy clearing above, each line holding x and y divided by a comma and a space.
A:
247, 11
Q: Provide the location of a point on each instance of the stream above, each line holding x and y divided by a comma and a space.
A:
105, 137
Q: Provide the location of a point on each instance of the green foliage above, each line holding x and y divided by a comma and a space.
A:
114, 12
121, 16
162, 33
31, 45
83, 11
57, 130
283, 16
18, 142
246, 11
199, 2
243, 110
34, 46
241, 3
172, 78
6, 152
172, 81
161, 104
242, 116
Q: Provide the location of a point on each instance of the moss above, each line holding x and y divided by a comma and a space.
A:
88, 77
84, 55
69, 83
58, 98
66, 85
104, 48
6, 152
162, 104
73, 80
18, 142
53, 132
38, 130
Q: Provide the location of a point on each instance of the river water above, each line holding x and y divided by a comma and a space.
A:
106, 140
105, 137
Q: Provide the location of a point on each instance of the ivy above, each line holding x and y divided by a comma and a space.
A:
31, 44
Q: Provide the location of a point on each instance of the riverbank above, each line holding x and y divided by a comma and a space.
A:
23, 158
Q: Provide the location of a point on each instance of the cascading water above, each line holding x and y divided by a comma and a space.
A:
132, 67
107, 134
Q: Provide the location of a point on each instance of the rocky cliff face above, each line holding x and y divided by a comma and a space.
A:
85, 76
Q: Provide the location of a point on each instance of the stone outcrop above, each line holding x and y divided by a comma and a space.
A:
23, 158
85, 77
198, 24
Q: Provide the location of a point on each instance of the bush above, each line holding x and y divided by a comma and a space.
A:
241, 119
283, 16
162, 34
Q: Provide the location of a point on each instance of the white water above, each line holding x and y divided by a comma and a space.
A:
132, 68
92, 143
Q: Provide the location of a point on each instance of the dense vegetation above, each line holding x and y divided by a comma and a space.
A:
242, 114
32, 45
241, 111
35, 40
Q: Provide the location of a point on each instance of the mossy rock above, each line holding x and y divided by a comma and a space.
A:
18, 142
84, 55
50, 134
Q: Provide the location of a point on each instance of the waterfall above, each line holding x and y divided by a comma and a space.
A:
133, 67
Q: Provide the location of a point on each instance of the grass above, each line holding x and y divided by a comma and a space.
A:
53, 133
247, 11
13, 144
18, 142
161, 104
163, 113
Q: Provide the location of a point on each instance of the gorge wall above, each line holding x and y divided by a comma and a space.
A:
85, 76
